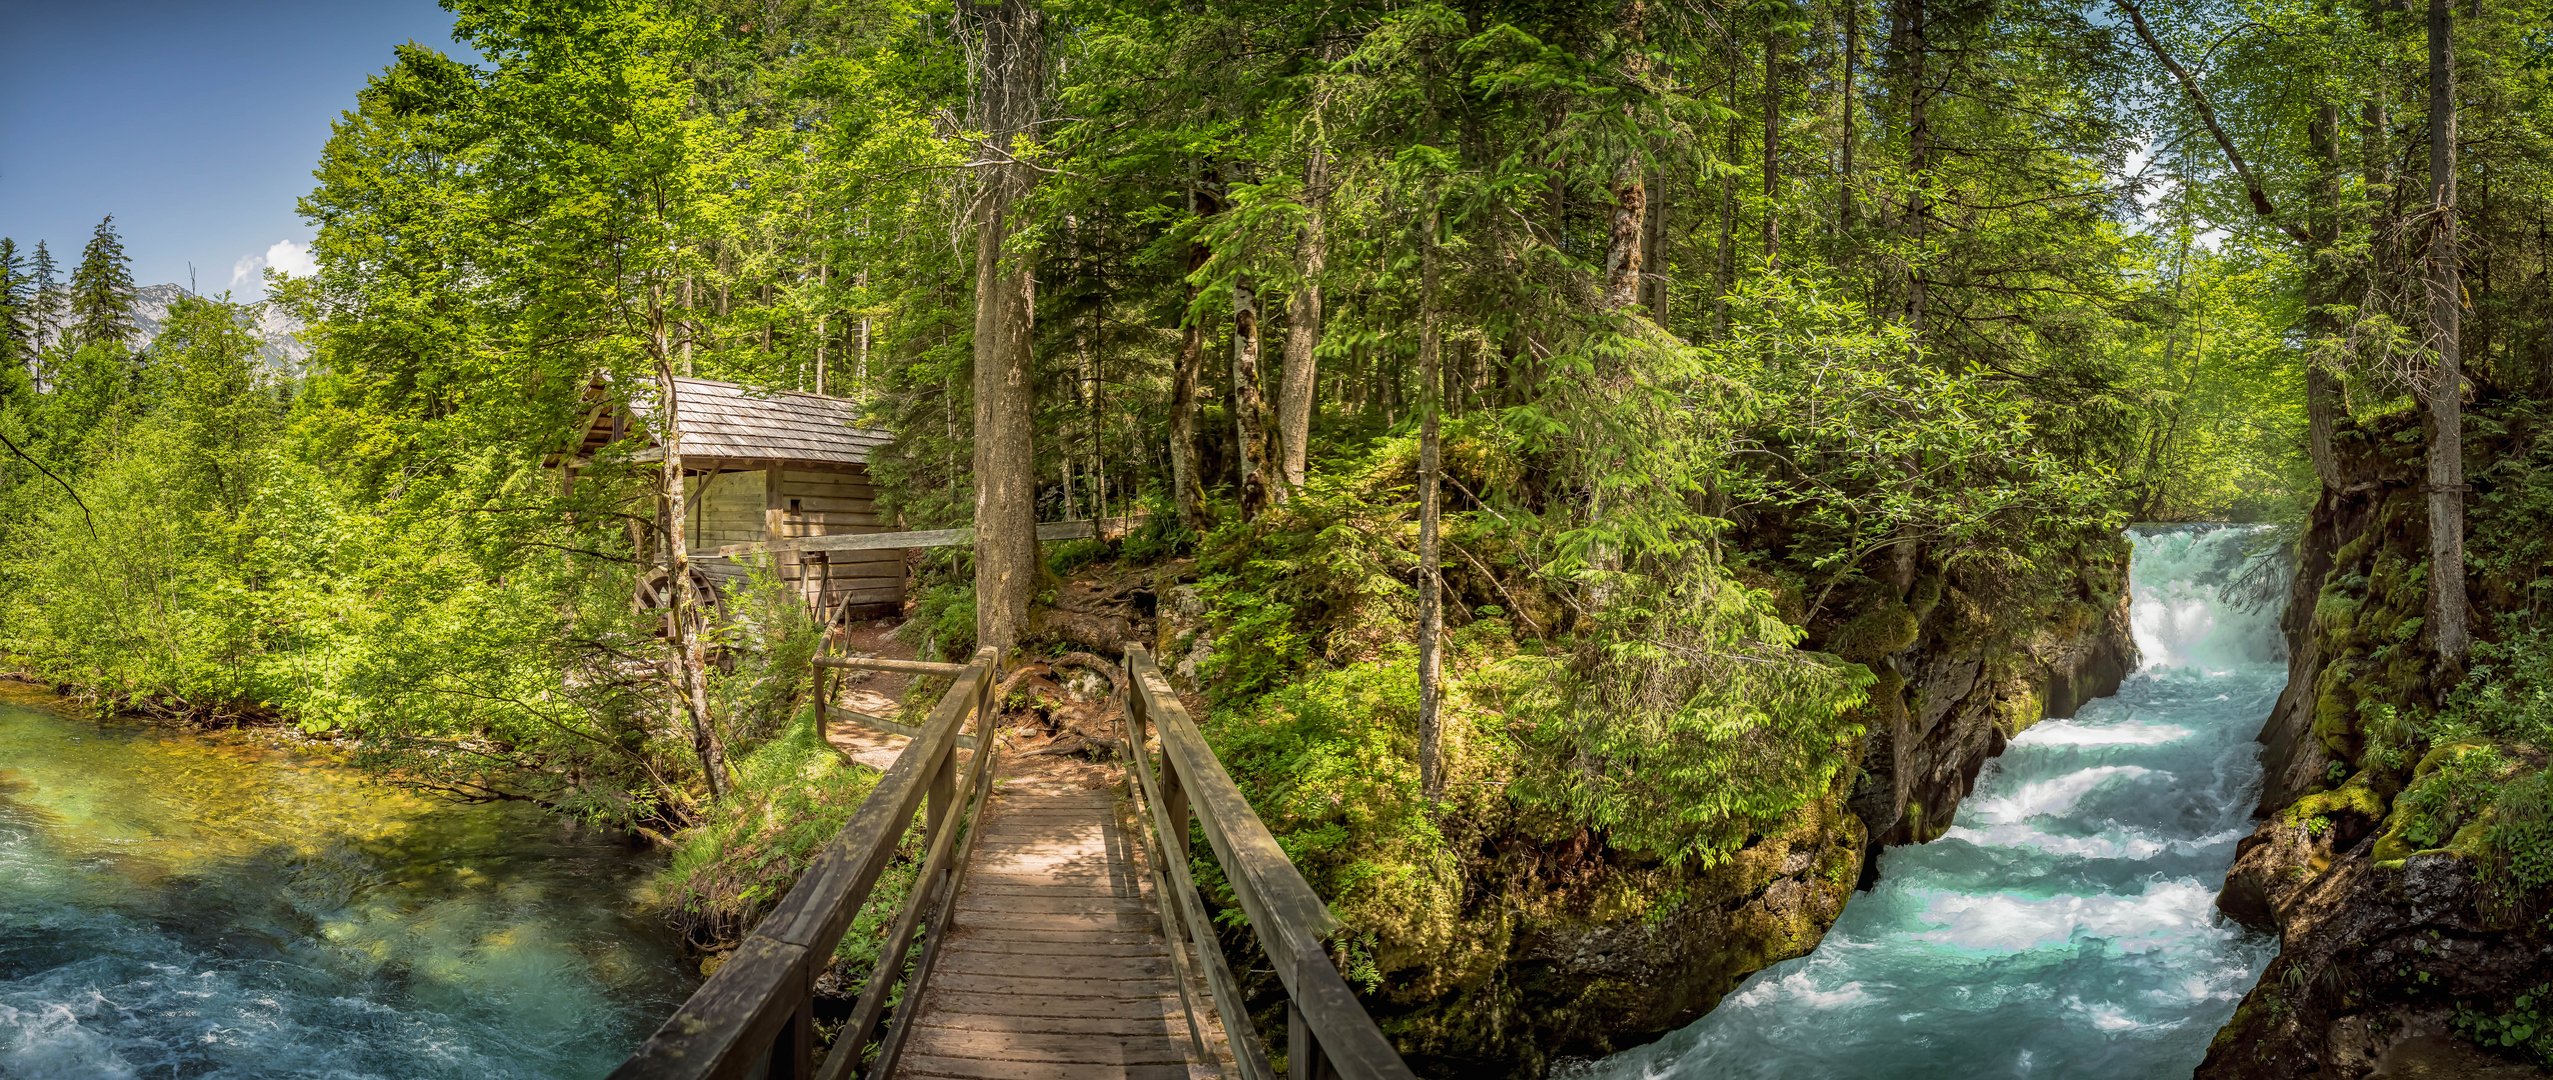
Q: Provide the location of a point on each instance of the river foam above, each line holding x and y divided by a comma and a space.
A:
2065, 925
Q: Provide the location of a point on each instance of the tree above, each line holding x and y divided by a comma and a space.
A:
1013, 38
1259, 482
2322, 389
101, 301
17, 303
1303, 314
44, 307
1431, 512
2446, 337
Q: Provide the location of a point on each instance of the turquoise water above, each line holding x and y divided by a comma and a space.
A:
2066, 925
197, 906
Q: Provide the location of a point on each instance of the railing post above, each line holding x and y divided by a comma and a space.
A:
824, 648
793, 1054
1302, 1053
938, 805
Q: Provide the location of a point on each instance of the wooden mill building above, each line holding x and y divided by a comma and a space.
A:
763, 466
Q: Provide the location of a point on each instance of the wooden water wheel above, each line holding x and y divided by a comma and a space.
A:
653, 597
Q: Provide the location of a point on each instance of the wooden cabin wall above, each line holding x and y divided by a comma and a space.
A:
723, 508
806, 502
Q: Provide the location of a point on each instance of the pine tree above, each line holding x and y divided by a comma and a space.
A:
101, 307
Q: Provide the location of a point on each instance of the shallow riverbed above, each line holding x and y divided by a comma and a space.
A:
201, 906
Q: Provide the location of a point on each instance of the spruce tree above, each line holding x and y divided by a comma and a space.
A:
17, 300
102, 289
45, 309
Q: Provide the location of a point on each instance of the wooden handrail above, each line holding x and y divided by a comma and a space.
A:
825, 712
1328, 1032
755, 1016
880, 663
1047, 531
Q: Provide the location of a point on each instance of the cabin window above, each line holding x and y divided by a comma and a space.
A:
793, 507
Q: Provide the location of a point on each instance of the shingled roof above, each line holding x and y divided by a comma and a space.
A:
727, 423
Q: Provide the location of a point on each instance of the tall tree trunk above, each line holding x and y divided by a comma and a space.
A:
1772, 148
1431, 578
1727, 250
824, 313
1653, 243
1005, 313
1303, 321
1845, 208
1249, 404
2446, 317
1908, 47
690, 656
691, 329
1622, 251
1630, 187
1187, 390
2322, 295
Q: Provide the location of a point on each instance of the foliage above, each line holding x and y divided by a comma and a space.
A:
2526, 1026
1691, 512
1330, 763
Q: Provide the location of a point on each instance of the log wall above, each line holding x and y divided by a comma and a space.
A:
762, 505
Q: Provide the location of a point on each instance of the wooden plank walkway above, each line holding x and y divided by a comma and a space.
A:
1055, 964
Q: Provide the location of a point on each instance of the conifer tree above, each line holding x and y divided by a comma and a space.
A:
17, 299
101, 301
44, 310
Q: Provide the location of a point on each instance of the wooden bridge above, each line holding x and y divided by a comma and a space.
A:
1059, 931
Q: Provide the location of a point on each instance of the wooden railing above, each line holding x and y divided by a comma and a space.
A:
1328, 1033
755, 1016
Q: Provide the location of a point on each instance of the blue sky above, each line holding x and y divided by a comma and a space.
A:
195, 123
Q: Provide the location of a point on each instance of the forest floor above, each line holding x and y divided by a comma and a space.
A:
876, 693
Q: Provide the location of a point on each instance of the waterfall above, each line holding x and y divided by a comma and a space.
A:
2065, 926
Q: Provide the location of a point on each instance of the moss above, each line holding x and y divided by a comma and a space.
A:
1884, 630
2357, 798
2020, 701
2075, 618
2336, 711
1926, 595
2447, 807
2335, 612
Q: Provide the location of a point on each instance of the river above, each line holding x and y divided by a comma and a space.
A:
177, 905
2065, 926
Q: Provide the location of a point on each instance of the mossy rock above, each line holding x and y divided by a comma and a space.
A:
2448, 753
1789, 601
2430, 816
2357, 798
2336, 711
1926, 595
2335, 613
1884, 630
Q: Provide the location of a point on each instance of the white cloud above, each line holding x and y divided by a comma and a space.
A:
288, 257
291, 258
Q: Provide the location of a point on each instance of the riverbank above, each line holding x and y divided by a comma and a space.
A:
2061, 922
2402, 850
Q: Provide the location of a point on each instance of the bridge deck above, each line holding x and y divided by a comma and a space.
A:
1055, 964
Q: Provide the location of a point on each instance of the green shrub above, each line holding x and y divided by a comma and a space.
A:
790, 796
946, 614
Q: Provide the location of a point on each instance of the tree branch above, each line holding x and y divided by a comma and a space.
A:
86, 518
2207, 114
